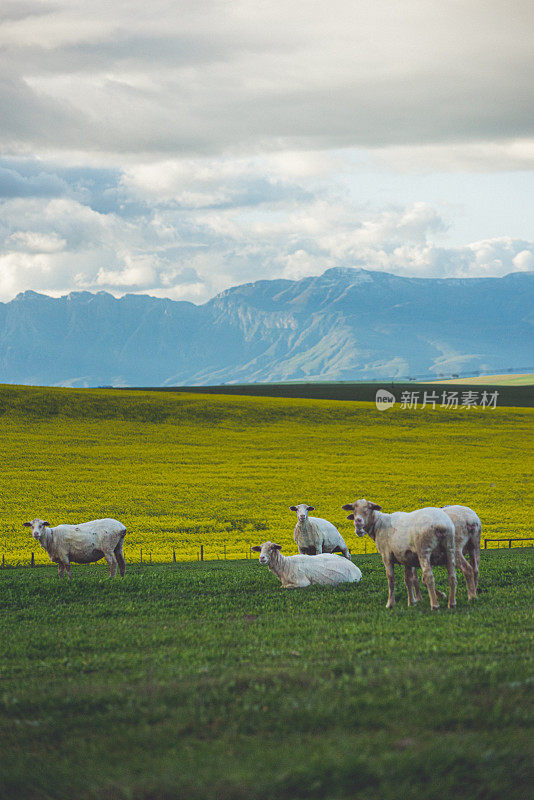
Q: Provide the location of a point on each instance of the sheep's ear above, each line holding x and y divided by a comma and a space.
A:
292, 508
47, 524
27, 524
311, 508
276, 547
256, 548
350, 516
348, 507
374, 507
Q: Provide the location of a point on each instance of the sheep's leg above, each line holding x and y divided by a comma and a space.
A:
409, 579
438, 591
390, 572
112, 561
474, 557
345, 552
120, 559
60, 570
451, 574
416, 588
318, 549
428, 580
67, 567
469, 574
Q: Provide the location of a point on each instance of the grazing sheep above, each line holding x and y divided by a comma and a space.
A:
302, 570
82, 544
419, 538
314, 535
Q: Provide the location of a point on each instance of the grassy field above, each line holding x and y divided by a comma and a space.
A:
185, 470
193, 681
209, 682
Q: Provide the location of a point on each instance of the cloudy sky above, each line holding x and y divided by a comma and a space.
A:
177, 148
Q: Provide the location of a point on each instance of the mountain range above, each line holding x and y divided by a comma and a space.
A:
347, 324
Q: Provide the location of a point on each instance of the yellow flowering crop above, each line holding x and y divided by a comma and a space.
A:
183, 470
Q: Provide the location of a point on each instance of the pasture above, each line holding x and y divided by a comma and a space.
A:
207, 681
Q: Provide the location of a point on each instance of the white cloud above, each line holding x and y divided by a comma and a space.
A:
34, 242
175, 249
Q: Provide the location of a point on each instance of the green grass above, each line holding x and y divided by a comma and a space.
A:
183, 470
157, 686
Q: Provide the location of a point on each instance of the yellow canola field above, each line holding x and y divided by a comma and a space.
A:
183, 470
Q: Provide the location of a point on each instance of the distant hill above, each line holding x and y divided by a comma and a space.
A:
347, 324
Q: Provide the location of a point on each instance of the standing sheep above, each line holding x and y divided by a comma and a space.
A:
419, 538
83, 544
296, 572
467, 531
314, 535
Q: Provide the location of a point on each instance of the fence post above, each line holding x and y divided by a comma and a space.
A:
202, 552
32, 560
485, 544
3, 561
150, 558
141, 555
509, 544
225, 552
174, 555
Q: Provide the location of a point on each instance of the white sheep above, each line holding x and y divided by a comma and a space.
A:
419, 538
314, 535
298, 571
467, 532
82, 544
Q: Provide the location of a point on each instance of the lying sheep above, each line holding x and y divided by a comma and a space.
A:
419, 538
296, 572
82, 544
314, 535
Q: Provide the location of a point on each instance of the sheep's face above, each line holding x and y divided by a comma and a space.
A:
266, 550
362, 512
302, 511
37, 527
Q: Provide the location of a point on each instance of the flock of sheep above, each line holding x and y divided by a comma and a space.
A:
422, 538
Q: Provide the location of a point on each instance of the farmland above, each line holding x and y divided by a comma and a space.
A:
184, 470
206, 681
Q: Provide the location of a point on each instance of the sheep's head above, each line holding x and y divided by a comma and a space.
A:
302, 511
362, 512
37, 526
266, 550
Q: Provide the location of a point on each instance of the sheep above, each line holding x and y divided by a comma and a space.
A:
82, 544
314, 535
419, 538
298, 571
467, 530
